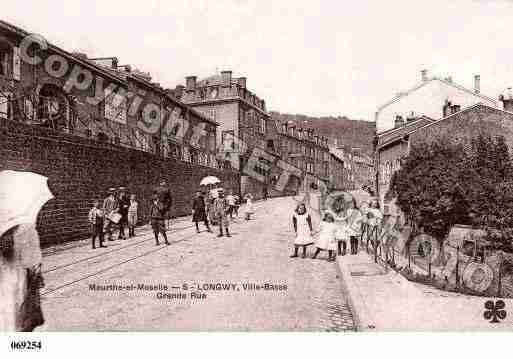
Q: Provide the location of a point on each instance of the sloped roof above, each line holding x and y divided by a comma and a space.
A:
424, 83
466, 109
393, 134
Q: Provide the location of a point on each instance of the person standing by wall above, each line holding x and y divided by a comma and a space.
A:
95, 218
110, 210
132, 215
199, 213
124, 204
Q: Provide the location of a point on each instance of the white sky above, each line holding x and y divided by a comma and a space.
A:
310, 57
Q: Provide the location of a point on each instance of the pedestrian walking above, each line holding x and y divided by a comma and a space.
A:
248, 210
326, 240
303, 229
157, 218
220, 208
110, 211
237, 205
124, 204
95, 218
199, 213
132, 215
166, 199
231, 204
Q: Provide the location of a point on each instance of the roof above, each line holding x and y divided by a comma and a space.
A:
466, 109
118, 75
214, 80
87, 64
406, 131
391, 135
424, 83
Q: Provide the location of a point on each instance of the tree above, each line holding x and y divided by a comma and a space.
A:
428, 188
442, 184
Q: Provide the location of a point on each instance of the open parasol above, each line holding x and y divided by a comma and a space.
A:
209, 180
22, 194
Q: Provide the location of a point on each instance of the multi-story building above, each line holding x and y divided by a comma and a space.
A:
241, 115
424, 99
431, 99
305, 150
338, 172
39, 96
344, 154
89, 124
363, 169
458, 125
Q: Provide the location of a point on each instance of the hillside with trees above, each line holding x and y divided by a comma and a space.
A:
352, 133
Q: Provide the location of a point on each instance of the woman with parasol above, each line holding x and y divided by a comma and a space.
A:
22, 194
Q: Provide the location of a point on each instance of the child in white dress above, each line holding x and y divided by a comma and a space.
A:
303, 228
326, 239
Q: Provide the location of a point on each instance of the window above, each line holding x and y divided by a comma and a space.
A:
263, 125
3, 62
212, 113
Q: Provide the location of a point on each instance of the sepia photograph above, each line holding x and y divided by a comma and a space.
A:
255, 166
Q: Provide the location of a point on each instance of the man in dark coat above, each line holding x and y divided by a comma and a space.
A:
164, 194
157, 219
124, 203
198, 211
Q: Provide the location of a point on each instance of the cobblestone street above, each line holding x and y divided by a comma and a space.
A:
257, 253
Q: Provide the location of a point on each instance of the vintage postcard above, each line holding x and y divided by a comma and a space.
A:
255, 166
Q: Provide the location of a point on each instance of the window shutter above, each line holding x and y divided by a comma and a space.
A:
16, 64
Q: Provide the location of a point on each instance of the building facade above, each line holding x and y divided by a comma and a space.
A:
305, 150
88, 126
244, 122
424, 99
459, 126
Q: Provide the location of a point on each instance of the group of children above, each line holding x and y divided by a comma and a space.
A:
336, 229
116, 210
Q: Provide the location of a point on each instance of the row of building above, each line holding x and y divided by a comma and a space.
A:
434, 108
222, 105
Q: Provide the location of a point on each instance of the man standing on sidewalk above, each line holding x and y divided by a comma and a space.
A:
157, 219
230, 199
164, 194
124, 203
110, 208
220, 212
198, 211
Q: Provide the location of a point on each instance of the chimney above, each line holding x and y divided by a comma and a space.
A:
242, 82
423, 74
411, 117
507, 100
446, 109
227, 78
477, 84
179, 91
399, 121
190, 82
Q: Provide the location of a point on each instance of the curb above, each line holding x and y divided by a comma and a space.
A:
362, 319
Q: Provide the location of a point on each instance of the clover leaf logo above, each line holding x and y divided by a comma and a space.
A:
495, 311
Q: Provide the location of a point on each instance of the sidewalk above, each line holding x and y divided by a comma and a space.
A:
386, 301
